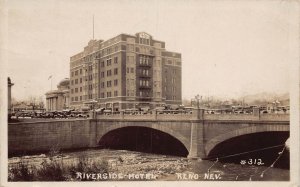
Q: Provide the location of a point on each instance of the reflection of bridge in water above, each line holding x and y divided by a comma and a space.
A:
197, 133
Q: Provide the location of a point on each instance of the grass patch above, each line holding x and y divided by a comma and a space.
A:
21, 172
56, 170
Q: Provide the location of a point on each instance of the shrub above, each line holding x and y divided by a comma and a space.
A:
51, 171
21, 172
84, 165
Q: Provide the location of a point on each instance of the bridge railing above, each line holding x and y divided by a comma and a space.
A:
199, 114
231, 117
148, 116
274, 117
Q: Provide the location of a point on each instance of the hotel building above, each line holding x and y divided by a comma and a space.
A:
127, 71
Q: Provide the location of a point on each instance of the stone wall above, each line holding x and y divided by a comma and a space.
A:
44, 136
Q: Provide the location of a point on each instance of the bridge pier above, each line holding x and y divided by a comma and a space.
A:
196, 142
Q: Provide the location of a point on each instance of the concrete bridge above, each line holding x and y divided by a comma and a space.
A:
198, 132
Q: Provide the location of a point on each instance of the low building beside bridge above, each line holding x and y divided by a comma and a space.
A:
57, 100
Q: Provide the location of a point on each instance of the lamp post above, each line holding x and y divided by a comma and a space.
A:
197, 98
93, 102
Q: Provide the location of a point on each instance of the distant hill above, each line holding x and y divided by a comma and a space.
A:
266, 97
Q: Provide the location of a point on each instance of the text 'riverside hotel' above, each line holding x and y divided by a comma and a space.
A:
125, 72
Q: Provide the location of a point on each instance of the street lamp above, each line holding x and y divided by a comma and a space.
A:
197, 98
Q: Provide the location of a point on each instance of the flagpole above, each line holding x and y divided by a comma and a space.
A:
50, 77
93, 27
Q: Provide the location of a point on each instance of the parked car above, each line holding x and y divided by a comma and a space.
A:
132, 111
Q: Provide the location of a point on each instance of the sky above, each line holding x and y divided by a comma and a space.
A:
229, 48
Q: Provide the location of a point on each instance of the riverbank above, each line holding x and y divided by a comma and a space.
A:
122, 165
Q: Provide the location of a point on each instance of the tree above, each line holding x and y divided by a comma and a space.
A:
32, 102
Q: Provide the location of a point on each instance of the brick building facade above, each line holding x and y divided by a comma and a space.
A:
127, 71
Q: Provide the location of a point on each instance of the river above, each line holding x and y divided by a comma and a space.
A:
131, 165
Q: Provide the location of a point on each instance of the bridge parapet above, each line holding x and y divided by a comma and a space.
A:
274, 117
195, 115
231, 117
153, 116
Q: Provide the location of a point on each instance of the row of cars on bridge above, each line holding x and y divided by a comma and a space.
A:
248, 110
168, 109
147, 110
49, 114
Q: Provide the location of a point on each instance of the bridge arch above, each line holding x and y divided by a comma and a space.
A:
161, 128
211, 144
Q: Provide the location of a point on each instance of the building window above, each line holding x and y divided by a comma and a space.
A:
72, 82
115, 93
173, 80
108, 94
102, 85
144, 82
80, 71
127, 70
80, 80
108, 73
102, 74
108, 62
102, 64
116, 60
72, 74
108, 84
76, 98
116, 82
115, 71
145, 72
80, 98
132, 70
76, 81
102, 95
76, 72
80, 89
141, 59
